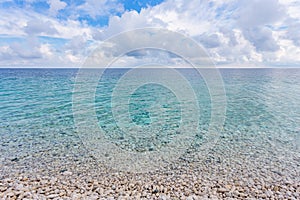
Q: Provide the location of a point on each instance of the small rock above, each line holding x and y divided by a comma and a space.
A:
155, 191
10, 194
162, 197
52, 196
15, 160
67, 173
222, 190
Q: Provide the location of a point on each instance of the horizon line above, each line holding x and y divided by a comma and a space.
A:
160, 67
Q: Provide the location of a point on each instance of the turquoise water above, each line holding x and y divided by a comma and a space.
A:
36, 113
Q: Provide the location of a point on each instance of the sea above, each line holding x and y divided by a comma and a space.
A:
49, 116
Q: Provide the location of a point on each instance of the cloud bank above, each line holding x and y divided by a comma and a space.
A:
59, 33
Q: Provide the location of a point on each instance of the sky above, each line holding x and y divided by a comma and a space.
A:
234, 33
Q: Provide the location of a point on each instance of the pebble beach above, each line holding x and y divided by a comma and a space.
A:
223, 174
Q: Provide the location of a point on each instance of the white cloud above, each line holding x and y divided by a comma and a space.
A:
39, 27
253, 18
128, 21
17, 22
96, 8
293, 33
6, 53
258, 13
76, 44
45, 50
292, 7
233, 32
261, 38
70, 57
185, 18
209, 41
56, 6
28, 53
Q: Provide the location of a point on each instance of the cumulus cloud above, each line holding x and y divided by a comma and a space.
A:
292, 8
18, 22
128, 21
258, 13
95, 8
293, 33
56, 6
6, 53
261, 38
25, 51
232, 32
253, 19
76, 45
28, 52
37, 27
209, 41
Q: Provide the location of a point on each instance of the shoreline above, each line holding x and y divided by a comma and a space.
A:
145, 186
220, 176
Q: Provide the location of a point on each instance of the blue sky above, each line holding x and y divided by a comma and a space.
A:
62, 33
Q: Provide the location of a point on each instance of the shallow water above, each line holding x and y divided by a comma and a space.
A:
37, 125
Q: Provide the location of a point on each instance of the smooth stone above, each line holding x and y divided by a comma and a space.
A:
15, 159
52, 196
222, 190
67, 173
